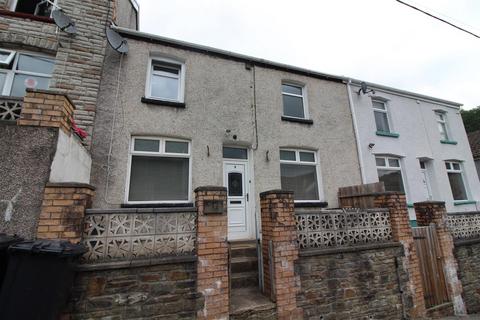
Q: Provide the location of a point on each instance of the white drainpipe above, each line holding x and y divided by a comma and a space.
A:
355, 130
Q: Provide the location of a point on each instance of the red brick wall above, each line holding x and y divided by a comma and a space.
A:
47, 109
212, 252
278, 228
402, 232
63, 209
434, 212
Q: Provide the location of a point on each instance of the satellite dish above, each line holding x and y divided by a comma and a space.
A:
116, 41
64, 22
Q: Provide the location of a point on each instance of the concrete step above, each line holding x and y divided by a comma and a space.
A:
250, 304
244, 279
244, 264
243, 249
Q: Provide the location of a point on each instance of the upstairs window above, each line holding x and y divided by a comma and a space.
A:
455, 176
41, 8
294, 101
442, 125
19, 71
298, 171
381, 115
390, 173
166, 80
159, 170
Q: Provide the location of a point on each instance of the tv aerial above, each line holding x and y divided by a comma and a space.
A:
63, 22
116, 41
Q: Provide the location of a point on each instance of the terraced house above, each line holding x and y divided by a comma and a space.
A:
212, 185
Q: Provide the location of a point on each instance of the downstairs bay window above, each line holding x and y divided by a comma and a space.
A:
159, 171
298, 170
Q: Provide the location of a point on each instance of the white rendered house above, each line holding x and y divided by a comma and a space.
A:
416, 144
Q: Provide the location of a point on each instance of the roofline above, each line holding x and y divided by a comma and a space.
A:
133, 34
143, 36
409, 94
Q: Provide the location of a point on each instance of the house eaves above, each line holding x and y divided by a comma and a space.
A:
408, 94
142, 36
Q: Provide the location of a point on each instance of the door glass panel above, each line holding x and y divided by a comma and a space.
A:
235, 184
234, 153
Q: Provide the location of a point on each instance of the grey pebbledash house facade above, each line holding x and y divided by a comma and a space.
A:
173, 116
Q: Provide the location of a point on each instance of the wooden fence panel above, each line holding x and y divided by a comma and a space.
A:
431, 266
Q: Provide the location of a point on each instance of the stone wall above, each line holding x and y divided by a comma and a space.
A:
360, 283
467, 254
164, 291
25, 168
78, 59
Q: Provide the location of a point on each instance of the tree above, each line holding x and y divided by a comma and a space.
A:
471, 119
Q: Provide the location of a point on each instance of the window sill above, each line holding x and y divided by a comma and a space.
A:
387, 134
410, 205
157, 205
462, 202
164, 103
448, 142
313, 204
297, 120
25, 16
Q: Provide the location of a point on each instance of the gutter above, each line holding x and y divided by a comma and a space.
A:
355, 130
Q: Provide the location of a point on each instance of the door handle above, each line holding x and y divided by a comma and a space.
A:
247, 196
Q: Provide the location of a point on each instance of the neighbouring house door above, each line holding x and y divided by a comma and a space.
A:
236, 181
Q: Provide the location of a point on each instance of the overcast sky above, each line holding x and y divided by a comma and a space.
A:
380, 41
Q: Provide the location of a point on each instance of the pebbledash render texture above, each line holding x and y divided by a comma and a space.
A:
79, 59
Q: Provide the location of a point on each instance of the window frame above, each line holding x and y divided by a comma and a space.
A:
303, 87
13, 6
161, 154
387, 167
11, 56
181, 78
444, 121
11, 72
462, 175
303, 163
385, 111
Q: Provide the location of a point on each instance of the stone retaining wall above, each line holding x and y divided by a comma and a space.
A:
363, 283
163, 291
467, 254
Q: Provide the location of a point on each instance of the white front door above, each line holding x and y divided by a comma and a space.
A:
236, 180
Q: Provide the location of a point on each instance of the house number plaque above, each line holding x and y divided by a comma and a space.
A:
213, 207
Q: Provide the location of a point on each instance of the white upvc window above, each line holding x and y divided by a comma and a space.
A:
457, 183
41, 8
294, 101
159, 171
299, 173
21, 70
380, 111
442, 125
166, 80
390, 173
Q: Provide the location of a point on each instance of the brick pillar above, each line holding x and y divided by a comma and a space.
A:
434, 212
43, 108
63, 209
402, 232
212, 245
279, 252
